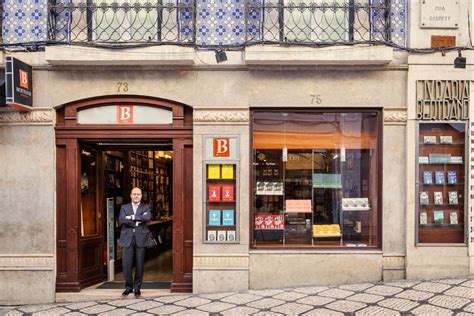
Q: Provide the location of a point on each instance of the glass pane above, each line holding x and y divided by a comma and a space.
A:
88, 192
441, 176
316, 179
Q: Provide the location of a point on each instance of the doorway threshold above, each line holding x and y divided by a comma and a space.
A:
96, 293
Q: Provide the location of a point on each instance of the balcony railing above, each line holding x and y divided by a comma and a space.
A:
183, 22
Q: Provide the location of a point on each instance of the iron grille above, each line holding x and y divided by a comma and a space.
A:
152, 22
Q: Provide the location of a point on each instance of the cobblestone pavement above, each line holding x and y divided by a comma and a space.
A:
433, 297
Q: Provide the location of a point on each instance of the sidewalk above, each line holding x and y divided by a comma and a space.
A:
432, 297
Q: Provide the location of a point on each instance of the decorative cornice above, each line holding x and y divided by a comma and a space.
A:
26, 262
39, 116
221, 116
395, 116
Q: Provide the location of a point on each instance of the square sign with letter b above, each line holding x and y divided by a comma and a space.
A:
221, 147
125, 114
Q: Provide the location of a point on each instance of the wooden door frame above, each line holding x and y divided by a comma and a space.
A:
68, 135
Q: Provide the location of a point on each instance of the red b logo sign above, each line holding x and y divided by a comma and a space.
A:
125, 114
221, 147
23, 79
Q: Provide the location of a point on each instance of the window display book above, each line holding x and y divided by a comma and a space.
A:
424, 198
427, 177
452, 177
214, 193
429, 139
228, 218
227, 171
213, 171
214, 217
211, 235
231, 235
453, 218
221, 235
445, 139
438, 198
438, 217
439, 177
423, 218
227, 193
453, 197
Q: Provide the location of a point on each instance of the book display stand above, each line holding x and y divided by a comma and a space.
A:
441, 184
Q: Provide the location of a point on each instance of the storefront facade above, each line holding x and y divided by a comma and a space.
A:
304, 165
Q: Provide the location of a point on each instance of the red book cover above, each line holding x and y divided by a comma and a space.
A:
214, 193
227, 193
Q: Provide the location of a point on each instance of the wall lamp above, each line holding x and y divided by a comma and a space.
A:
460, 62
220, 56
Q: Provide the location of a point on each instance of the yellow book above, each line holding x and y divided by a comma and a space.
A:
213, 172
227, 171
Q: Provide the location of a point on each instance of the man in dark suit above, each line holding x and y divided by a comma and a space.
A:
134, 237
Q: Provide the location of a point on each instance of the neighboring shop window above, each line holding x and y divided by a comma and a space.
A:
441, 190
316, 179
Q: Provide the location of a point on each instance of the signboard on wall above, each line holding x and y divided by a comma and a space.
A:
125, 114
18, 84
221, 148
442, 100
439, 14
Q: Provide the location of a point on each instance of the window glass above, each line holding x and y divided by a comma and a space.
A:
88, 192
315, 179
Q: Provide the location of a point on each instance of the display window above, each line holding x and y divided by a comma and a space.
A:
441, 184
316, 179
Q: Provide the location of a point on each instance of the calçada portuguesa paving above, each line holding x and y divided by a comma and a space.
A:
454, 296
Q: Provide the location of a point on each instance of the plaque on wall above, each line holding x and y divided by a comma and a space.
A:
439, 14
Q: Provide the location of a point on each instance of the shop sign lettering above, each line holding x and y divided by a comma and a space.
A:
442, 100
125, 114
221, 147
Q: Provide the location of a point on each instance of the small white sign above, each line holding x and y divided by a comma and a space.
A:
440, 14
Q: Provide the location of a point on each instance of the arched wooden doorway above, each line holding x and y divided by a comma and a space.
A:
80, 259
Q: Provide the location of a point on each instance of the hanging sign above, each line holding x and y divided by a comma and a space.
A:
18, 84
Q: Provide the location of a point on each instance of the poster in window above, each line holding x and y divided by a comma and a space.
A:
227, 171
429, 140
214, 193
424, 198
423, 218
213, 171
227, 193
214, 217
228, 218
453, 218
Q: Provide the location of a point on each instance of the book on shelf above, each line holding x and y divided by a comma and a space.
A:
423, 160
429, 139
423, 218
453, 218
231, 235
260, 190
438, 217
440, 158
221, 235
214, 217
424, 198
211, 235
227, 171
439, 177
446, 139
438, 198
452, 177
228, 218
227, 193
213, 171
214, 193
453, 197
427, 177
457, 160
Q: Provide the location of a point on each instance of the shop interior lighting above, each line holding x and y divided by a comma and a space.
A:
460, 62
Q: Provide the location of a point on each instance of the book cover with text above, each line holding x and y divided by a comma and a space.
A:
228, 218
227, 171
227, 193
213, 171
214, 217
214, 193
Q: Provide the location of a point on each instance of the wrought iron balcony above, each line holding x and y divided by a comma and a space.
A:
233, 22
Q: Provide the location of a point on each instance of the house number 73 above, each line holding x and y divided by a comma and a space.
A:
122, 86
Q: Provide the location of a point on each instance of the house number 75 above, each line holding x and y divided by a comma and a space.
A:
316, 99
122, 86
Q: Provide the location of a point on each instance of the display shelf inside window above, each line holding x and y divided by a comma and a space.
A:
441, 190
269, 219
221, 203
